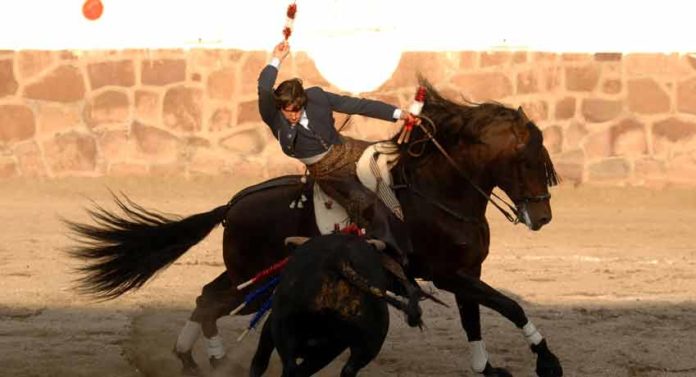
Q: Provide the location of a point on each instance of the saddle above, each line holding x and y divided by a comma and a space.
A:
374, 172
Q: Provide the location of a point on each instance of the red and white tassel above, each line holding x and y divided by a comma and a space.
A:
290, 18
415, 109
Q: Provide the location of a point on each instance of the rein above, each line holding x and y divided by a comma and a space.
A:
513, 219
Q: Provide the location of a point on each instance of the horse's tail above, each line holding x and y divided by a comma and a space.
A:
122, 252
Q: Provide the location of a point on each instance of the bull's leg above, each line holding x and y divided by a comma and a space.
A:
217, 299
263, 353
474, 290
360, 356
319, 358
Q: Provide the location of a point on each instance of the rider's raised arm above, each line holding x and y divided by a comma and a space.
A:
267, 79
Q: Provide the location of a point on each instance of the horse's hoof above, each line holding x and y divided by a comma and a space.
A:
188, 365
216, 363
548, 364
489, 371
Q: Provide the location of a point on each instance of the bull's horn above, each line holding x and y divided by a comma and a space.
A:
296, 240
378, 244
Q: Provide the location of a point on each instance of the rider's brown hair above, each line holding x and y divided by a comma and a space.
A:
290, 93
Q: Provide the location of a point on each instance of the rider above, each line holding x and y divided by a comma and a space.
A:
303, 123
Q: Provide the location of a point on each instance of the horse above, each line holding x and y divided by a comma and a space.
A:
444, 180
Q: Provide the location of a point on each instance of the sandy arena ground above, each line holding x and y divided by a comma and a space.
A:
611, 283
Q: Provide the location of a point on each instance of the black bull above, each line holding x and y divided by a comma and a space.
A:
488, 146
331, 297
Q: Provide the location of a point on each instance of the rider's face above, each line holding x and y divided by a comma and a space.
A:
291, 113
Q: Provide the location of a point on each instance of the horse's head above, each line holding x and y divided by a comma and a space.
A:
520, 165
494, 146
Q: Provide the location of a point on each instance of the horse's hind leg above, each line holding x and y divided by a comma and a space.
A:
217, 299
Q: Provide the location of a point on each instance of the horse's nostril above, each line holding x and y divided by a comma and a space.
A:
545, 220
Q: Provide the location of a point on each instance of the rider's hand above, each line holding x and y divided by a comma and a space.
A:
407, 117
281, 50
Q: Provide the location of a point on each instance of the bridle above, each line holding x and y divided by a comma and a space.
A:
511, 213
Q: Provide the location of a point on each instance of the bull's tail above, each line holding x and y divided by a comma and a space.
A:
410, 307
123, 251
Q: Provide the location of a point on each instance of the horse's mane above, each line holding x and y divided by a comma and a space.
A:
457, 121
464, 121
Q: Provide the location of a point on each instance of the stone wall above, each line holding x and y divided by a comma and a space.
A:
607, 118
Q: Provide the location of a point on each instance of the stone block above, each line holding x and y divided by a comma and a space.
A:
655, 65
527, 82
148, 107
565, 108
575, 135
222, 119
71, 152
608, 56
115, 145
108, 107
30, 63
222, 84
570, 166
485, 86
615, 169
537, 111
582, 79
600, 110
63, 84
686, 96
629, 138
246, 143
495, 58
645, 96
182, 109
52, 118
30, 159
156, 144
161, 72
612, 86
248, 112
17, 123
674, 130
598, 145
553, 139
252, 63
116, 73
8, 83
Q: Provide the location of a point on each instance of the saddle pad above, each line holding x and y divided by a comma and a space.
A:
374, 174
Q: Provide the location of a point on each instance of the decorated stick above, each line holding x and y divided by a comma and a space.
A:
415, 109
290, 18
260, 315
255, 294
264, 274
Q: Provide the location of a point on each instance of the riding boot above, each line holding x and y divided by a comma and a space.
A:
386, 226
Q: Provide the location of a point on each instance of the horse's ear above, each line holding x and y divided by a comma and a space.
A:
520, 111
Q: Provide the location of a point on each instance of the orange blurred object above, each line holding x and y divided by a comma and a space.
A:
92, 9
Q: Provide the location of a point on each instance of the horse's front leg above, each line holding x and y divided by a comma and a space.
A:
472, 290
470, 316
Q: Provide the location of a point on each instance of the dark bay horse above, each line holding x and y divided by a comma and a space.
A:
443, 182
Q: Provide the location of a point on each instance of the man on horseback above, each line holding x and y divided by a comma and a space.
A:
303, 123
